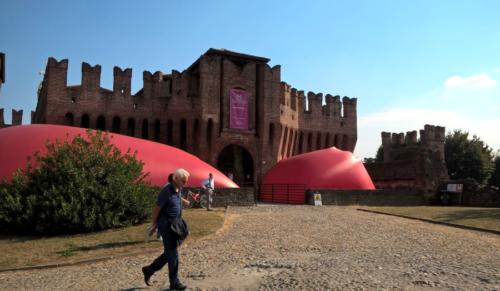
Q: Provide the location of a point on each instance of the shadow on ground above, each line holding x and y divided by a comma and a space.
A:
470, 214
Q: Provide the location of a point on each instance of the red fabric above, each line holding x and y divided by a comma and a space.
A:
19, 142
329, 168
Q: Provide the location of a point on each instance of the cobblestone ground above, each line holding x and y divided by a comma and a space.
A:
302, 248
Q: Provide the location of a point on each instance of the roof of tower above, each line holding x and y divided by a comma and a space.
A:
225, 52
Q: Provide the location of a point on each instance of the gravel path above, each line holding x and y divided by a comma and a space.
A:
302, 248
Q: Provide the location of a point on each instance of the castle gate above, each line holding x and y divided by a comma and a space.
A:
236, 160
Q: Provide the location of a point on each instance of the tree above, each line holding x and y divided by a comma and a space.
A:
379, 158
81, 185
495, 176
468, 158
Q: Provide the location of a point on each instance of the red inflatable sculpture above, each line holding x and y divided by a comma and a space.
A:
329, 168
19, 142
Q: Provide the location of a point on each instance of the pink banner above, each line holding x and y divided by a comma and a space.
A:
238, 109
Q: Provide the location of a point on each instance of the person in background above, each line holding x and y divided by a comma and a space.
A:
208, 186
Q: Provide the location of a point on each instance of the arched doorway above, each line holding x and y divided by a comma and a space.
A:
238, 161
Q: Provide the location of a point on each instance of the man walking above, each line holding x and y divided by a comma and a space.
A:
167, 209
208, 186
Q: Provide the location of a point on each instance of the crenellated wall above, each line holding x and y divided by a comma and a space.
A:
17, 118
191, 109
315, 121
411, 162
397, 144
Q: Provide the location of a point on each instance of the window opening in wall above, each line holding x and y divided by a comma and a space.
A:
145, 129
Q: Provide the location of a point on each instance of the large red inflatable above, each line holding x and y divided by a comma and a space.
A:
19, 142
329, 168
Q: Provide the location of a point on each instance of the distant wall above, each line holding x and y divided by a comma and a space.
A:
482, 198
384, 197
232, 196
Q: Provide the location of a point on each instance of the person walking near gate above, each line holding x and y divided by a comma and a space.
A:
208, 186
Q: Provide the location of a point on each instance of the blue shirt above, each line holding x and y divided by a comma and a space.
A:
170, 202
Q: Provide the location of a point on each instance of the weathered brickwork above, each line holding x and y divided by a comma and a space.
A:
17, 118
411, 163
191, 110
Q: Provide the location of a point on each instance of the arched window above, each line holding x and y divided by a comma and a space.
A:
145, 129
85, 121
295, 144
290, 143
336, 141
345, 142
170, 132
69, 119
101, 123
157, 130
210, 127
309, 142
116, 126
196, 134
327, 140
131, 127
318, 141
301, 140
284, 143
270, 140
183, 128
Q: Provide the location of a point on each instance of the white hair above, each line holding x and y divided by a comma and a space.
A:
180, 173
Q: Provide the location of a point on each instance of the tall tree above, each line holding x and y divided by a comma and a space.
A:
495, 176
468, 158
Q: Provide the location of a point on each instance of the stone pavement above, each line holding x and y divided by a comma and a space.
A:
272, 247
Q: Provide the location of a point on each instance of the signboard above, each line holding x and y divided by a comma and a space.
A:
317, 199
454, 188
238, 109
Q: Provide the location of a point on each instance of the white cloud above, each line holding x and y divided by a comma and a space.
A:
403, 120
470, 103
475, 81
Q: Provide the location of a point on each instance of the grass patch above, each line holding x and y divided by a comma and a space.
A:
23, 251
485, 218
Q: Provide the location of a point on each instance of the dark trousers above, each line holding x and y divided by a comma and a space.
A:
170, 255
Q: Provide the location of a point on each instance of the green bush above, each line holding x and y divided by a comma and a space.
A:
81, 185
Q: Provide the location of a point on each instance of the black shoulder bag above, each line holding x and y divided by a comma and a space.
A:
179, 226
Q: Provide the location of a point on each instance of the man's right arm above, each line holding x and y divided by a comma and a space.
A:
156, 213
154, 220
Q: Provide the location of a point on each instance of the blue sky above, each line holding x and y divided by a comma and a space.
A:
408, 62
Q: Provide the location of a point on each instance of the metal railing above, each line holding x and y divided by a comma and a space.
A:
283, 193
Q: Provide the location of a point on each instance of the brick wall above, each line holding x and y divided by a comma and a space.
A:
386, 197
244, 196
481, 198
190, 109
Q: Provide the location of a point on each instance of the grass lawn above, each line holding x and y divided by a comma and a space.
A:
486, 218
22, 251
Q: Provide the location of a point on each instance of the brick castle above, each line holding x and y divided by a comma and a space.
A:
230, 109
409, 162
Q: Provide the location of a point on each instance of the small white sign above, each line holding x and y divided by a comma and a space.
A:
454, 188
317, 199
